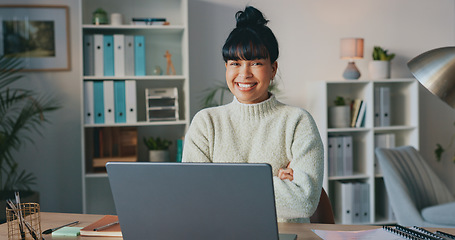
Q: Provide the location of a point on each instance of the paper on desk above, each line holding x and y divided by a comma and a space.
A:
67, 231
373, 234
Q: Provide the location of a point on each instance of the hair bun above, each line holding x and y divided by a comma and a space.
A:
250, 17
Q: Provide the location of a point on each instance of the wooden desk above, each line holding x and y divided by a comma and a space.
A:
51, 220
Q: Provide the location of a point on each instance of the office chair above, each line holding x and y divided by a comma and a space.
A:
324, 212
417, 196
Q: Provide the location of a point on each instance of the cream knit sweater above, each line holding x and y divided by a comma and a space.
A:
267, 132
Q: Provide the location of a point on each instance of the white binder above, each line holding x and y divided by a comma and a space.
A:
119, 54
347, 156
365, 200
89, 60
332, 156
129, 55
109, 111
99, 54
384, 93
377, 107
130, 100
88, 103
344, 202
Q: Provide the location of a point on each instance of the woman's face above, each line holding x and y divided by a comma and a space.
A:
249, 80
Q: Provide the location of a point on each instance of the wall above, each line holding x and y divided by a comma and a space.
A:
55, 158
308, 32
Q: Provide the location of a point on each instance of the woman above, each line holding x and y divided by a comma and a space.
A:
256, 128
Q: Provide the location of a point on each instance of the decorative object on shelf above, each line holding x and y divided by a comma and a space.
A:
116, 19
42, 43
379, 68
157, 70
351, 48
340, 114
24, 114
435, 69
99, 17
170, 65
158, 149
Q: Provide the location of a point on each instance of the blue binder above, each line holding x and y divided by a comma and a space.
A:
98, 101
119, 101
139, 55
108, 55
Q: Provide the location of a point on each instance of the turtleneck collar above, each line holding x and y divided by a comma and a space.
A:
256, 110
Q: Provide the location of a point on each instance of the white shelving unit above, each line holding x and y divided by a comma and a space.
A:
97, 197
404, 116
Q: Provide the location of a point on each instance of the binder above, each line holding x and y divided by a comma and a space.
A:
109, 114
89, 55
129, 55
99, 54
347, 156
119, 54
98, 98
130, 101
120, 104
365, 200
339, 156
344, 201
88, 103
382, 140
356, 202
377, 108
331, 155
384, 95
139, 55
108, 55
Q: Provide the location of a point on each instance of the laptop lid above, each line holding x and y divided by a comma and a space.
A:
194, 200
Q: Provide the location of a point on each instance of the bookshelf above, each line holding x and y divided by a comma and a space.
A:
128, 143
404, 126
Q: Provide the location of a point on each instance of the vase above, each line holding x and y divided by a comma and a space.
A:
379, 69
339, 116
159, 156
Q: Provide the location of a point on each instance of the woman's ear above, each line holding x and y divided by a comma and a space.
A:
274, 68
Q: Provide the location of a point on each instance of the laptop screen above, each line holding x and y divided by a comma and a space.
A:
194, 200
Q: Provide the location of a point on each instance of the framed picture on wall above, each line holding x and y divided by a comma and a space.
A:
37, 34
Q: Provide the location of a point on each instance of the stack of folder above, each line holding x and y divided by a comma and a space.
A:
110, 101
352, 202
114, 55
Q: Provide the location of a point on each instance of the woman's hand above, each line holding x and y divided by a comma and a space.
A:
286, 173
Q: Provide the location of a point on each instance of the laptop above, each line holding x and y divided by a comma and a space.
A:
203, 201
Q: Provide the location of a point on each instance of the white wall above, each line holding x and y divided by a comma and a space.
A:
308, 32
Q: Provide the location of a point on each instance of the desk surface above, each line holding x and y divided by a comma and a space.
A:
303, 230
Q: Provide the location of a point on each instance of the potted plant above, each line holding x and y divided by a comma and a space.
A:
339, 114
379, 68
22, 112
158, 149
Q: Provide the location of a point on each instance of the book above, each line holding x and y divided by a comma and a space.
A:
111, 231
355, 111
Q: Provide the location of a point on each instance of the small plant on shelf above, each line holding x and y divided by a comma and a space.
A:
339, 101
157, 143
380, 54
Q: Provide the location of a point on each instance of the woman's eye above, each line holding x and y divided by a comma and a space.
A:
234, 64
257, 63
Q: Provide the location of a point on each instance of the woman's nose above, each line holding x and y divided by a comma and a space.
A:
245, 72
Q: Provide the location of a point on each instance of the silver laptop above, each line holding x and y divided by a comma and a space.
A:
194, 201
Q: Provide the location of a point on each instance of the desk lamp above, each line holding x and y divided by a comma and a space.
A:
435, 69
351, 48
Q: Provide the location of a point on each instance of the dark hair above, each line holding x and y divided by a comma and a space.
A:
251, 39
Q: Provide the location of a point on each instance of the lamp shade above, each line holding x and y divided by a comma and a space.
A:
435, 69
351, 48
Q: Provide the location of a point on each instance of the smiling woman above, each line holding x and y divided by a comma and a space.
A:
255, 127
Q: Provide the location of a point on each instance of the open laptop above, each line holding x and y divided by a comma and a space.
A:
203, 201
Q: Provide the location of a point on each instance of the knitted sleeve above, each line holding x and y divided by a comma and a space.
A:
299, 198
196, 146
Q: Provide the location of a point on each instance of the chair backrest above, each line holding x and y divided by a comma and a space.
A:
324, 212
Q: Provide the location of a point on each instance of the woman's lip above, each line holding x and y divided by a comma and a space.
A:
246, 85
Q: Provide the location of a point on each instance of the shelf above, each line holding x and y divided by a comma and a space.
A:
145, 78
154, 123
96, 175
394, 128
157, 28
347, 130
352, 177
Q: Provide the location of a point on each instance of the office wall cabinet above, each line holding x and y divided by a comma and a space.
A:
119, 63
400, 127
